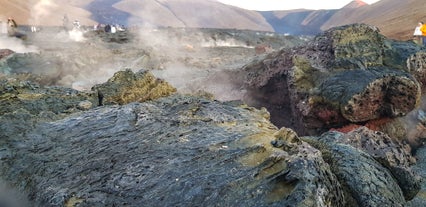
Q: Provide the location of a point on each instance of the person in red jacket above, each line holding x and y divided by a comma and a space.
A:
423, 29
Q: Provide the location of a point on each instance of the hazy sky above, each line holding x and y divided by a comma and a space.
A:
262, 5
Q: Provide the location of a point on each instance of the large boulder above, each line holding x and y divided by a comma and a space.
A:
391, 153
362, 95
374, 169
125, 87
176, 151
348, 74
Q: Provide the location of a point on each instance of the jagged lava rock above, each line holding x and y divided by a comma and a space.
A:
391, 153
373, 169
420, 169
125, 87
363, 95
175, 151
346, 74
21, 93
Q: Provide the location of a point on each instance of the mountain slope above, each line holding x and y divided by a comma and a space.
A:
192, 13
395, 18
46, 12
298, 22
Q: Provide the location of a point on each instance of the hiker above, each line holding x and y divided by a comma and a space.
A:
113, 29
107, 28
12, 27
418, 34
423, 29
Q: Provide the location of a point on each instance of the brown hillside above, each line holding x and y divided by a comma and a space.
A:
395, 18
193, 13
150, 12
46, 12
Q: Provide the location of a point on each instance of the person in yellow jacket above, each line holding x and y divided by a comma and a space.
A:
423, 29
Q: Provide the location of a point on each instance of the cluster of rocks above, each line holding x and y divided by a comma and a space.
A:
133, 141
349, 74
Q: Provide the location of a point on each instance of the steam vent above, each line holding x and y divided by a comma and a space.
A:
200, 117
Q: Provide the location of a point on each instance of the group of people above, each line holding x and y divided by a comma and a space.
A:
420, 33
109, 28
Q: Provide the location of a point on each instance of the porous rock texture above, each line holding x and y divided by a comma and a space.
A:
183, 150
125, 87
348, 74
420, 169
391, 153
373, 169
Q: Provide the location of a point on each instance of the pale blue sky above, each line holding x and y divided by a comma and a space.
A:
263, 5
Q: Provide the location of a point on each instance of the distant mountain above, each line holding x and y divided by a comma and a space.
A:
355, 4
192, 13
395, 18
298, 22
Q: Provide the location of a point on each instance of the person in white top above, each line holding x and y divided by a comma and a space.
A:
418, 34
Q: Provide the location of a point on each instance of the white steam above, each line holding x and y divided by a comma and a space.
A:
15, 44
3, 27
41, 10
224, 43
196, 60
76, 35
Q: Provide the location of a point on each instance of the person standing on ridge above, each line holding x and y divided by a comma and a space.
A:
418, 34
423, 29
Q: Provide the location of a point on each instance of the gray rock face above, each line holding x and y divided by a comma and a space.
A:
178, 151
420, 169
369, 183
392, 154
374, 169
18, 93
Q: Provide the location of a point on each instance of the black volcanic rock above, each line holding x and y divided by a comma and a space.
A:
346, 74
366, 181
391, 153
177, 151
185, 151
21, 94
